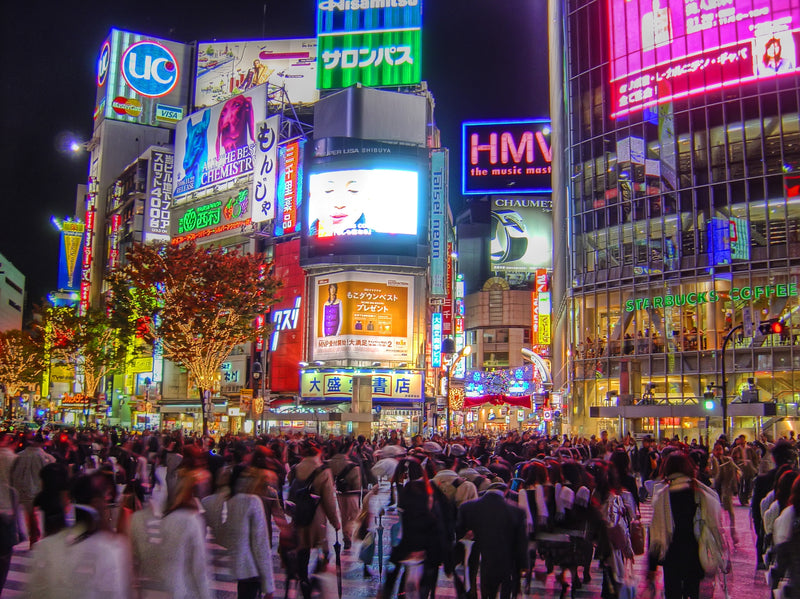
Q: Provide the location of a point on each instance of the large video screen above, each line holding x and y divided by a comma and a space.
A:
663, 50
365, 204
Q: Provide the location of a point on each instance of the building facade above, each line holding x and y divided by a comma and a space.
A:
679, 191
12, 295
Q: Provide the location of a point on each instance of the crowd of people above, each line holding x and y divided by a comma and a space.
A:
119, 514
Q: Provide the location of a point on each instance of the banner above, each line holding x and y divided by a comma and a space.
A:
159, 197
265, 162
290, 188
438, 224
521, 234
71, 256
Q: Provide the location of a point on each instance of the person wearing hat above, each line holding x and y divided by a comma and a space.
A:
499, 531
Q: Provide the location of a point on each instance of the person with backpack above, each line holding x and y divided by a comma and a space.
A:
347, 480
313, 494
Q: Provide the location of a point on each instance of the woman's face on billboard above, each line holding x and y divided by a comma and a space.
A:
342, 195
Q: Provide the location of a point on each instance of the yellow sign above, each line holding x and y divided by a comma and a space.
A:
336, 385
62, 374
246, 400
141, 364
258, 406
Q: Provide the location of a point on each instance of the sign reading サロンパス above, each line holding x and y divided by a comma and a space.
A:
360, 315
142, 79
372, 42
696, 46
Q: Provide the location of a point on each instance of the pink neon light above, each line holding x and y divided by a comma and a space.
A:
696, 46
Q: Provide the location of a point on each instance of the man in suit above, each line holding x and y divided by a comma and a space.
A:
499, 531
782, 453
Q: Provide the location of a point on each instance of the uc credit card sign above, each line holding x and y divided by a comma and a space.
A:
142, 79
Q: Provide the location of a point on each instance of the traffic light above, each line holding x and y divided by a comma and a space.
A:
773, 326
708, 397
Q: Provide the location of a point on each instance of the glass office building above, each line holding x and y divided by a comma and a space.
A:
681, 190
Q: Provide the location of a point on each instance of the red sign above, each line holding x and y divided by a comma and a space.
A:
447, 308
286, 317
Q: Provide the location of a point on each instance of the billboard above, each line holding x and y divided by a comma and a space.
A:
337, 385
374, 43
215, 146
159, 197
71, 256
362, 316
290, 187
365, 198
225, 69
142, 79
506, 157
696, 47
286, 316
521, 234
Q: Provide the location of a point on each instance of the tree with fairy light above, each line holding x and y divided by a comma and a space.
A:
199, 302
21, 361
96, 344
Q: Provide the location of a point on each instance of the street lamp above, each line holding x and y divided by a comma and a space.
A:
258, 375
724, 382
465, 351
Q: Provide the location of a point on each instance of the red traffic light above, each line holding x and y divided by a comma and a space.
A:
777, 327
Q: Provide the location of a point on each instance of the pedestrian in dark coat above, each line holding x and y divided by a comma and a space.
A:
500, 533
782, 453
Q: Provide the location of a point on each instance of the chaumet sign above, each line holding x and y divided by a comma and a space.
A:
705, 297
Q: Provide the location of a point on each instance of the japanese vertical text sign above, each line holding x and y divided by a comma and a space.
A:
265, 163
159, 197
436, 340
438, 232
290, 190
372, 42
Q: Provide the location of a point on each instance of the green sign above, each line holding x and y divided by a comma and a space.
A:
705, 297
382, 58
200, 217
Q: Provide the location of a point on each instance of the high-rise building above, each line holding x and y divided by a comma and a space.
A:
677, 180
12, 295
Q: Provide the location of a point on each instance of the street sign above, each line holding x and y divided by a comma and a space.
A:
747, 321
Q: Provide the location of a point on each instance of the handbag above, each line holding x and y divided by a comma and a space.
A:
367, 551
713, 554
638, 533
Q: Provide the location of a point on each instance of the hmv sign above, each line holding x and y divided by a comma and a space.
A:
502, 157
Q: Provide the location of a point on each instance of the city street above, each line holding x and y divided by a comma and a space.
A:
743, 581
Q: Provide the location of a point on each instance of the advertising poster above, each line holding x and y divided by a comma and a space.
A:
362, 316
506, 156
521, 234
215, 146
225, 69
387, 385
371, 46
286, 337
71, 256
438, 225
142, 79
290, 188
696, 47
159, 197
265, 168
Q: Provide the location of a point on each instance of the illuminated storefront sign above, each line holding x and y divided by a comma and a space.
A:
142, 79
387, 385
438, 233
506, 157
706, 297
696, 47
436, 340
159, 197
376, 44
265, 167
286, 340
290, 188
521, 234
215, 217
286, 319
70, 255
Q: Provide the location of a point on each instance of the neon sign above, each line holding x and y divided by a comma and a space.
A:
707, 297
284, 320
506, 156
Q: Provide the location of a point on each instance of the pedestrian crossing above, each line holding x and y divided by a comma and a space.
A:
355, 585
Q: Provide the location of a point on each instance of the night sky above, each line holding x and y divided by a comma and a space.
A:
483, 59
